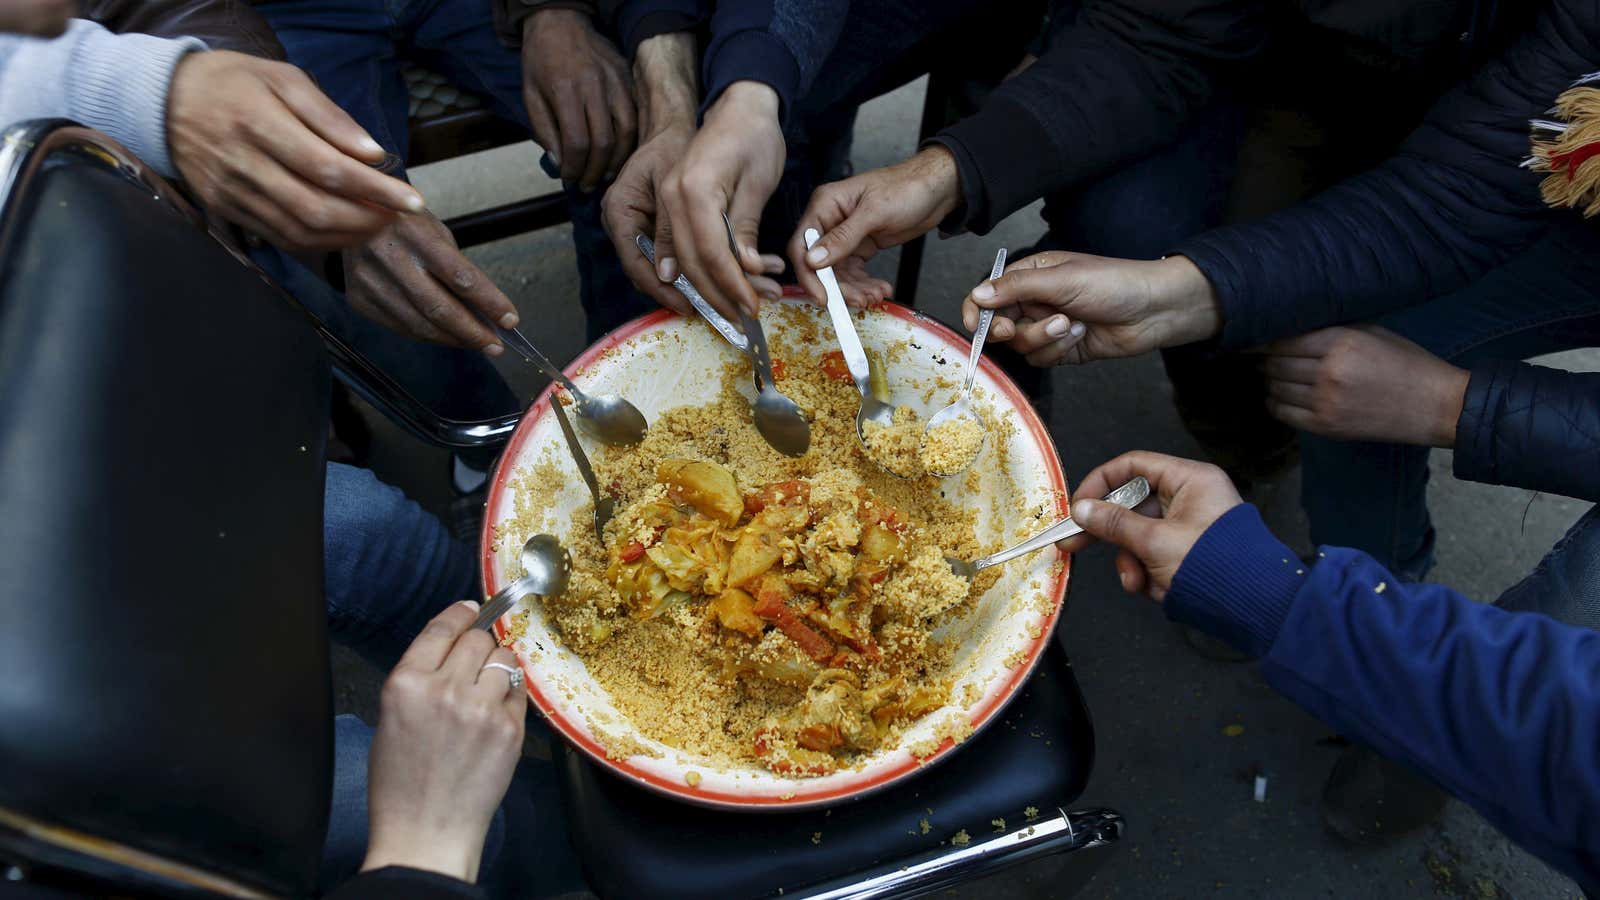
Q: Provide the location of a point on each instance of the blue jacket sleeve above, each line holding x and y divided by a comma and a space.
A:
1498, 708
1451, 203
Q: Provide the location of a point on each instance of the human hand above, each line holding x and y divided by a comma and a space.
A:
1151, 548
1364, 384
1068, 308
413, 280
870, 212
449, 736
40, 18
266, 150
731, 166
579, 96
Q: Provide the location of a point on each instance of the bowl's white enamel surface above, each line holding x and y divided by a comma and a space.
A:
662, 361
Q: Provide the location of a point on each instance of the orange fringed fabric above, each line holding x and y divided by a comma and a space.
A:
1567, 148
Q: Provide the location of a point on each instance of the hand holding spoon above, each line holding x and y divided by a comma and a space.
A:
545, 570
855, 356
962, 407
1128, 496
779, 419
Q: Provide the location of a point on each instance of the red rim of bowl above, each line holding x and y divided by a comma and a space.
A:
980, 717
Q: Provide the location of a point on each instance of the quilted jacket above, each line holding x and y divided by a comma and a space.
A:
1451, 203
1531, 427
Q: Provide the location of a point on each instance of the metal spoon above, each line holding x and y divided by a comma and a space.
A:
779, 419
708, 312
962, 407
545, 570
855, 356
1129, 495
604, 504
610, 418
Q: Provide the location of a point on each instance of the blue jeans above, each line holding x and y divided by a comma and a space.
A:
388, 565
1374, 497
356, 50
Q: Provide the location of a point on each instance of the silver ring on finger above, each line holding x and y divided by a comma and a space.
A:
512, 672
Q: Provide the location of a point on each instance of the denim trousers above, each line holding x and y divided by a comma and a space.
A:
356, 50
1374, 496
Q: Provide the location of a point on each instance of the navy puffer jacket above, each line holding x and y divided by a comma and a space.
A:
1451, 203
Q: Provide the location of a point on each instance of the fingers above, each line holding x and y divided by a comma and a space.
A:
1131, 572
1299, 418
1116, 525
428, 652
1296, 369
707, 261
1166, 474
829, 212
543, 122
318, 211
602, 134
465, 280
465, 661
341, 172
1312, 345
374, 291
441, 309
495, 684
1055, 335
1290, 393
573, 124
625, 119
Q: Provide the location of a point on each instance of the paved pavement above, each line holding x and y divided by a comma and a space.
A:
1164, 757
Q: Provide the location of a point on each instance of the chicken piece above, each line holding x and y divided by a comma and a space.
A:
709, 488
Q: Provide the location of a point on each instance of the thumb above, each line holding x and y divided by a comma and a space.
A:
840, 241
1116, 525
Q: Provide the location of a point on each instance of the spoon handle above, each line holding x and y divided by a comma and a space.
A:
524, 347
578, 455
844, 328
501, 603
758, 350
697, 300
1129, 495
985, 318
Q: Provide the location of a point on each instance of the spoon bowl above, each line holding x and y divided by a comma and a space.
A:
546, 569
781, 423
961, 408
611, 419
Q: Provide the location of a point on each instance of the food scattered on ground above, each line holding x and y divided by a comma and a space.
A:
951, 446
961, 838
924, 826
1031, 813
816, 837
1232, 730
999, 824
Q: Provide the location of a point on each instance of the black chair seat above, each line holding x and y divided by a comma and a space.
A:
633, 843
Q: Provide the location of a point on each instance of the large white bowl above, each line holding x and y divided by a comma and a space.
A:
1001, 641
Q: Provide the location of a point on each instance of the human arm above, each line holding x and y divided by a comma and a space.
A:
577, 90
1452, 202
449, 736
1531, 427
1496, 707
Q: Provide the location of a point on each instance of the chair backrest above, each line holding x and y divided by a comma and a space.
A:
165, 710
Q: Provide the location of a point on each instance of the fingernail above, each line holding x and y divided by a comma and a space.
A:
494, 349
370, 145
509, 320
470, 604
983, 291
1078, 328
817, 255
1123, 577
1082, 511
1056, 327
667, 269
415, 203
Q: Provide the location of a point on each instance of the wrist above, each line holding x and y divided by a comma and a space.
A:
936, 170
554, 17
1182, 295
747, 98
1447, 406
453, 858
664, 78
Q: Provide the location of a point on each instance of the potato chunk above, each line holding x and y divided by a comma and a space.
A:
708, 487
757, 550
735, 610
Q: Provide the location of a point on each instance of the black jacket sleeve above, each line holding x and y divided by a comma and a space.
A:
412, 884
1120, 80
1450, 204
1531, 427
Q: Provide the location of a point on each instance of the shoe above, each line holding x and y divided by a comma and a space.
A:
1369, 800
471, 488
